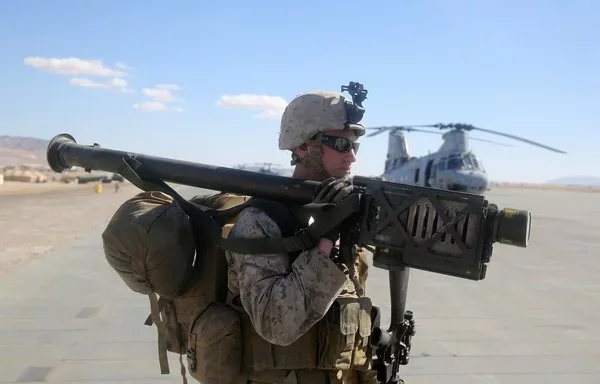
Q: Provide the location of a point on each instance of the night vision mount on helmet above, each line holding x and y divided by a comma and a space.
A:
355, 109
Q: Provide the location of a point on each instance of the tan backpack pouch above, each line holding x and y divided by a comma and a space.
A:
260, 355
215, 346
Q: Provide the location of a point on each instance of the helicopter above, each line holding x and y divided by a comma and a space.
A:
453, 166
267, 168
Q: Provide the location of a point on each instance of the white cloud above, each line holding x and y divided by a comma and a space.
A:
162, 92
172, 87
124, 66
121, 85
83, 71
86, 83
75, 66
160, 95
116, 84
152, 106
270, 107
155, 106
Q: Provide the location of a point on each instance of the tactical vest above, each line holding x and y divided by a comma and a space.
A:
339, 341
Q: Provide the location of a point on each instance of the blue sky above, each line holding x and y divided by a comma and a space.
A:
528, 68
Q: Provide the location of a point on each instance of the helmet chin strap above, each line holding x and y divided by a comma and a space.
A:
314, 158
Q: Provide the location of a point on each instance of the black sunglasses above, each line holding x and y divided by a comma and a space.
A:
340, 144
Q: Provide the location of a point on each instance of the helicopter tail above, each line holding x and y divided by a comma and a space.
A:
397, 150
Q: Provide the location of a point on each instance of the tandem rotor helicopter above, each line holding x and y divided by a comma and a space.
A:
453, 166
268, 168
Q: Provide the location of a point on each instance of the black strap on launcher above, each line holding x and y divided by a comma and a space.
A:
209, 221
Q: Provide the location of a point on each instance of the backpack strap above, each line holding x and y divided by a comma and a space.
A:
281, 213
165, 324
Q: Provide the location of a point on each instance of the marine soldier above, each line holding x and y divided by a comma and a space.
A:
303, 320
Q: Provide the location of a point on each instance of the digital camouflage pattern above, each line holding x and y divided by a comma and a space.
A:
311, 113
283, 299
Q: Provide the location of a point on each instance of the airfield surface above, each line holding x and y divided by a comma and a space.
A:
66, 317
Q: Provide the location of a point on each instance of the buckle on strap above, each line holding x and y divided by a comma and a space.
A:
305, 238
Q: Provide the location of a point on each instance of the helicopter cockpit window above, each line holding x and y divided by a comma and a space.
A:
469, 162
455, 162
479, 164
476, 162
472, 162
441, 165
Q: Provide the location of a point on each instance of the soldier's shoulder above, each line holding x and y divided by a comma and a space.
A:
255, 222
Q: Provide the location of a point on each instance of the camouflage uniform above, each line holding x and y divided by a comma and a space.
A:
283, 299
286, 296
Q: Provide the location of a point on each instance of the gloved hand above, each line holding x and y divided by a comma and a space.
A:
332, 191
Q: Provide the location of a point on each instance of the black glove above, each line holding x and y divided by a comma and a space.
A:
332, 191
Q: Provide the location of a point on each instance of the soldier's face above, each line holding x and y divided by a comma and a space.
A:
339, 152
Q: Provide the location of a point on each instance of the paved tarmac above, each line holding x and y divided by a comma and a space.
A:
68, 318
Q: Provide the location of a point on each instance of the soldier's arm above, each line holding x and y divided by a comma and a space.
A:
283, 298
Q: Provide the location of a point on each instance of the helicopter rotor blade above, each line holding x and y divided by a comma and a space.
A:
422, 130
490, 141
407, 128
439, 126
520, 139
461, 126
469, 127
470, 138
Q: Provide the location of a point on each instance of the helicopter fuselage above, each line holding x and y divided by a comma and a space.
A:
453, 166
452, 170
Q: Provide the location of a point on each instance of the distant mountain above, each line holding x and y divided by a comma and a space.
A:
576, 180
17, 150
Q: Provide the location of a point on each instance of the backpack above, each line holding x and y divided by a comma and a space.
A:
173, 251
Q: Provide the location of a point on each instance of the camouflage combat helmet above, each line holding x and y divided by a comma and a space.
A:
314, 112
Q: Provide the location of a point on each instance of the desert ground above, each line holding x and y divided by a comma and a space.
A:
35, 218
66, 317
